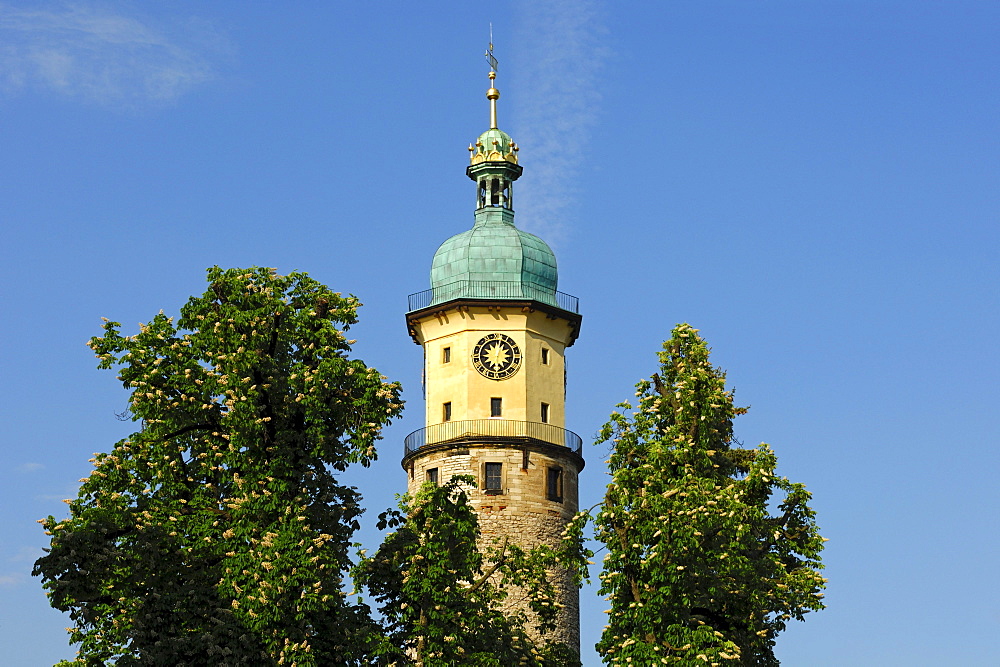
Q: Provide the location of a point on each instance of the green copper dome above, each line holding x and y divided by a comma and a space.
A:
495, 140
494, 260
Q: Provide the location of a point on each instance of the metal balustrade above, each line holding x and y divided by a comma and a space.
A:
491, 428
492, 289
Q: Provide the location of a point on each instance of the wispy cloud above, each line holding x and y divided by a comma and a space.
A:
560, 53
30, 467
26, 555
94, 54
11, 579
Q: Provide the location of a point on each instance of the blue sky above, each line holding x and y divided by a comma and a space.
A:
813, 185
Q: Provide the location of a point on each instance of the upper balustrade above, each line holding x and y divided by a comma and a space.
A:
493, 290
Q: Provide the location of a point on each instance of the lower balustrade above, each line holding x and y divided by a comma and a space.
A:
502, 429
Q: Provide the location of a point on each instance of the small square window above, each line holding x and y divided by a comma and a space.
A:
493, 482
496, 407
555, 484
446, 355
432, 475
545, 355
446, 412
545, 413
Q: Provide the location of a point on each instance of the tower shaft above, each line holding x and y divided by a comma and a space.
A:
494, 333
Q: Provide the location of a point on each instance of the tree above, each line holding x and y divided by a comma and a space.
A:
219, 532
440, 595
698, 570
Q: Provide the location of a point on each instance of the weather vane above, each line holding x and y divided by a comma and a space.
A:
492, 94
489, 51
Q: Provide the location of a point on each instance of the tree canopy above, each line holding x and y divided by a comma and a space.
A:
219, 532
709, 551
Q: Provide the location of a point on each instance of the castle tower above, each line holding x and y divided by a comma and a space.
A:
494, 332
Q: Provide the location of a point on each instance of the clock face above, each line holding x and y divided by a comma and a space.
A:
496, 356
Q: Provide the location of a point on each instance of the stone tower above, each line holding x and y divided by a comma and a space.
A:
494, 332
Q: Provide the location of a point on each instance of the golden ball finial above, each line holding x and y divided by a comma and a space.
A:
492, 94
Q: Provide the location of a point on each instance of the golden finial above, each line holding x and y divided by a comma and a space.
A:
492, 94
501, 147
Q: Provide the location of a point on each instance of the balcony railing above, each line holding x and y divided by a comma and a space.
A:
502, 429
492, 289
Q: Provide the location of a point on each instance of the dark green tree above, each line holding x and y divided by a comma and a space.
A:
219, 533
442, 597
710, 552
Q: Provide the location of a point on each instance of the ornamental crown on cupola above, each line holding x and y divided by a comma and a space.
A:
493, 145
493, 159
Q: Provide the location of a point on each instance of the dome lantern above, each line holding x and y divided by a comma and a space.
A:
494, 259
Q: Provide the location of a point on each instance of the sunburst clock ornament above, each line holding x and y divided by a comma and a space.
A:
496, 356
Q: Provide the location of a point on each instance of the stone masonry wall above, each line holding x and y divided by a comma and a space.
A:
522, 511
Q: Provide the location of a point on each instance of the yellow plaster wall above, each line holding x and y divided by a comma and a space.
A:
468, 391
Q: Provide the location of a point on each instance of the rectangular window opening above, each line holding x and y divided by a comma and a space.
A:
555, 484
446, 412
432, 475
545, 413
446, 355
496, 407
494, 478
545, 355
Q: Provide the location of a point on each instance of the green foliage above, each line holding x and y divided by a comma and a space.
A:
441, 597
219, 533
698, 571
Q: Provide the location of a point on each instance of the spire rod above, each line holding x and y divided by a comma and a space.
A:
492, 94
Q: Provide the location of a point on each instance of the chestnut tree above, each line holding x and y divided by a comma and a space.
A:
219, 532
709, 551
